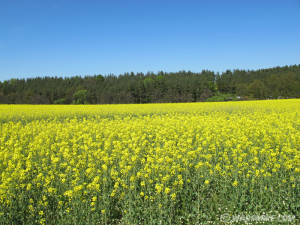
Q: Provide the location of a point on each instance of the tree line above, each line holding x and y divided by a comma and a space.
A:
182, 86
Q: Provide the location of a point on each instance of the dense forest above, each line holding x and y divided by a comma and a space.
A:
182, 86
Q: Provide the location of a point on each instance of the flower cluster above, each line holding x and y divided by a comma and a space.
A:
110, 160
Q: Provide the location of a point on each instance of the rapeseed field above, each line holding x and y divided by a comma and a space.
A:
185, 163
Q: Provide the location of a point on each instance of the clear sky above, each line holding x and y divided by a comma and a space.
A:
72, 37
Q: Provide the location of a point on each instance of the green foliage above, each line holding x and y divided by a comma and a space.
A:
277, 82
222, 97
257, 89
182, 86
60, 101
80, 97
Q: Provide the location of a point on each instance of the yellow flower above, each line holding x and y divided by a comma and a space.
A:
235, 183
68, 193
42, 221
76, 153
167, 190
158, 188
173, 196
31, 208
28, 188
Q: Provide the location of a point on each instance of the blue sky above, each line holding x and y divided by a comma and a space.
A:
69, 37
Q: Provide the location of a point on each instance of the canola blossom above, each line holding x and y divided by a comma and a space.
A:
182, 163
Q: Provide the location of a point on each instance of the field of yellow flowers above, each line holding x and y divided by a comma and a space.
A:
184, 163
